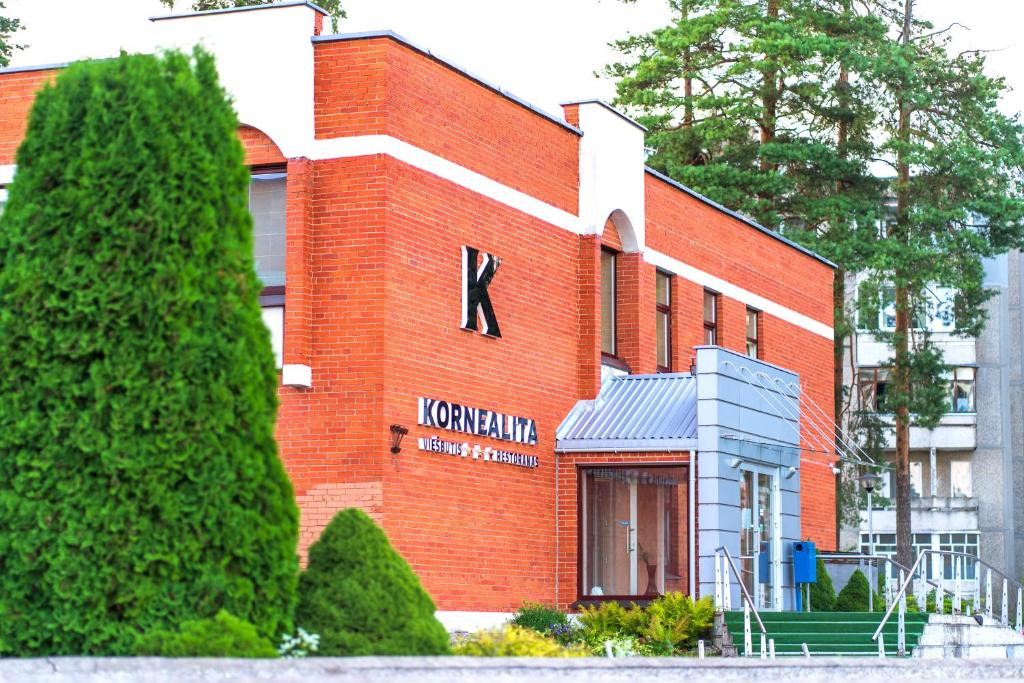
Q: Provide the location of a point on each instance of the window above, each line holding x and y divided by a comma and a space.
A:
710, 317
937, 310
267, 198
962, 390
753, 329
916, 478
960, 484
959, 543
663, 296
267, 204
633, 529
873, 384
608, 294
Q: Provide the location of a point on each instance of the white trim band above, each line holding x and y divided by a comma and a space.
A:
368, 145
730, 290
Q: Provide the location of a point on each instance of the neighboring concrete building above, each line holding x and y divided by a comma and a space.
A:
602, 374
966, 474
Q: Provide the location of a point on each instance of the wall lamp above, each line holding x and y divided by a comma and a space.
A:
397, 433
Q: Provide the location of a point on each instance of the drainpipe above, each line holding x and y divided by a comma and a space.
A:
693, 523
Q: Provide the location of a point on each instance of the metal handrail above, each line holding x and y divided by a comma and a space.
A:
952, 553
899, 596
1009, 579
743, 588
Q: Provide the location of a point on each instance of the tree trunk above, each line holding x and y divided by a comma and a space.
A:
839, 293
901, 373
684, 12
769, 94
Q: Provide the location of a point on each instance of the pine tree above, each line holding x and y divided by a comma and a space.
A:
140, 485
766, 107
958, 198
362, 597
332, 7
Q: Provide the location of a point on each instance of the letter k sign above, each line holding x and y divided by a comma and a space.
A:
475, 299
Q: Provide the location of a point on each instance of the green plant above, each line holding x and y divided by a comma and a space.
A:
610, 619
140, 485
362, 597
538, 617
222, 636
854, 596
675, 622
514, 641
823, 593
668, 625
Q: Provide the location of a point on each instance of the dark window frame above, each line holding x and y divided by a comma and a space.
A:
756, 339
613, 357
873, 372
666, 310
711, 326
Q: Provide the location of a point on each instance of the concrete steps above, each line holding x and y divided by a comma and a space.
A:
961, 637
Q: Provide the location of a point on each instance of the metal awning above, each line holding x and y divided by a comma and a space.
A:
634, 413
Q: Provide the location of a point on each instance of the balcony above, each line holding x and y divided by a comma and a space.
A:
955, 432
928, 514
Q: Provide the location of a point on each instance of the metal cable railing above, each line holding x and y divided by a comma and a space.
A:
900, 598
723, 596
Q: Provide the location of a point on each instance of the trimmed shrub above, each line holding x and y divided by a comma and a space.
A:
362, 597
140, 485
514, 641
222, 636
540, 618
823, 593
854, 596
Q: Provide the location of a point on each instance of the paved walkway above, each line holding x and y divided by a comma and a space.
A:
445, 669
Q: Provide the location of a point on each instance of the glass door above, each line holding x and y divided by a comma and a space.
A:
759, 536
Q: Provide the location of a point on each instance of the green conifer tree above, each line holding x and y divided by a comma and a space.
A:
855, 594
140, 485
362, 597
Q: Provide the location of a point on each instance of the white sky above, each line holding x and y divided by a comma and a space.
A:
544, 51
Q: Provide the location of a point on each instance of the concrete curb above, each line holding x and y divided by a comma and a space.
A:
442, 669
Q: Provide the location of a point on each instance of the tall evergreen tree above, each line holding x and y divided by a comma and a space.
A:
8, 27
958, 198
766, 107
332, 7
140, 485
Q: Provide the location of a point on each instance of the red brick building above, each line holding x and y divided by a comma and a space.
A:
441, 256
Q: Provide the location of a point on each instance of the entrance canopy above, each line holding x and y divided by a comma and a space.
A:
634, 413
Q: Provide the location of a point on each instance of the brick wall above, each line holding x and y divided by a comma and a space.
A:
373, 306
378, 86
17, 92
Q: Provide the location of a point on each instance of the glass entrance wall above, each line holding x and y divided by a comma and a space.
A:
633, 531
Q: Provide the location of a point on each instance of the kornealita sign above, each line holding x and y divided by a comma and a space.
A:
477, 421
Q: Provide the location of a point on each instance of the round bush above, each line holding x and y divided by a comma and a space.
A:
854, 596
362, 597
140, 485
222, 636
